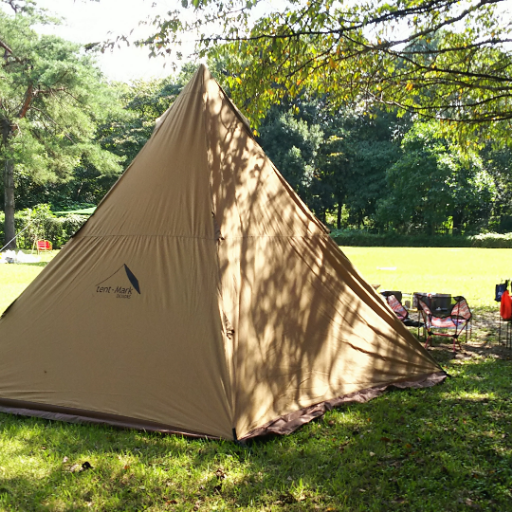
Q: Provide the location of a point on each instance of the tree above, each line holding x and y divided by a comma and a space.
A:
51, 98
441, 59
498, 163
336, 162
123, 133
354, 159
433, 185
292, 144
143, 102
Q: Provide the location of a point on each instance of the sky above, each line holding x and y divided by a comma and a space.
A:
89, 21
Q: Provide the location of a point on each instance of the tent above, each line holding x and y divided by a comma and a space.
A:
202, 297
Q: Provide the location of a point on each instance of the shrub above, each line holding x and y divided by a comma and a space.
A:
492, 240
364, 239
40, 223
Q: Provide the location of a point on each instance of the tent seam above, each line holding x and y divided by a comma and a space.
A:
229, 393
226, 237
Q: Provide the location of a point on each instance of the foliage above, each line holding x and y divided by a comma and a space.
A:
503, 240
434, 182
77, 129
39, 223
497, 161
292, 144
345, 161
52, 97
143, 103
355, 156
126, 131
333, 162
85, 185
359, 238
438, 58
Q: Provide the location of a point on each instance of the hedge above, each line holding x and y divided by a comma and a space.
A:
494, 240
363, 239
39, 223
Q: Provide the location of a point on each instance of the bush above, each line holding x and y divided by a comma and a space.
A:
364, 239
39, 223
492, 240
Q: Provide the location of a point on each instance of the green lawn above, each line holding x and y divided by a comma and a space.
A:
447, 448
14, 278
471, 272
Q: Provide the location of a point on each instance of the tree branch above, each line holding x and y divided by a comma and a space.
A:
29, 96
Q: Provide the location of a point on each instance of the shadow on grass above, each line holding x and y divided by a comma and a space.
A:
443, 448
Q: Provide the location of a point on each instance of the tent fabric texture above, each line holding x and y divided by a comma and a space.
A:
202, 297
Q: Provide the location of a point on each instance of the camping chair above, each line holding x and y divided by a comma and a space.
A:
399, 310
501, 288
43, 245
441, 313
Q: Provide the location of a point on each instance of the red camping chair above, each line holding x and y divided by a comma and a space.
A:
445, 313
43, 245
399, 310
396, 306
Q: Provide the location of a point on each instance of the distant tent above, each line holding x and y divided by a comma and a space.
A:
202, 297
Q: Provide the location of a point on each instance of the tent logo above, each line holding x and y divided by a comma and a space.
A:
121, 284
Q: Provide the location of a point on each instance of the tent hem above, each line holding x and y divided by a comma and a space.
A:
70, 415
290, 422
281, 426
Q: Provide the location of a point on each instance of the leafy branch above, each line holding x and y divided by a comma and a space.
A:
422, 56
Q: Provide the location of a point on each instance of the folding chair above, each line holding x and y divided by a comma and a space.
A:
43, 245
500, 289
445, 313
397, 307
399, 310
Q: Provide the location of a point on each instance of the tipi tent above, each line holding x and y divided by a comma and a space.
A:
202, 297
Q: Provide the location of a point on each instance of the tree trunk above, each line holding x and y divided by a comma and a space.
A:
457, 221
338, 219
9, 229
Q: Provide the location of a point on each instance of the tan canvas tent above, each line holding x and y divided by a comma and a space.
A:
202, 297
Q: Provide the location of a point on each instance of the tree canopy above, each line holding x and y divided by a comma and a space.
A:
440, 59
52, 98
382, 162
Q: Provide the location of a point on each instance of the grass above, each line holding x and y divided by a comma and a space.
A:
14, 278
471, 272
446, 448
